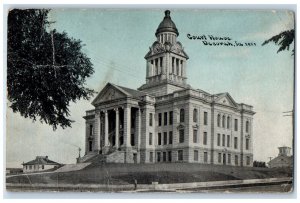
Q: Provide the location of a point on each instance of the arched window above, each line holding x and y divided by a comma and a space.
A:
228, 122
181, 115
223, 121
247, 126
219, 120
195, 115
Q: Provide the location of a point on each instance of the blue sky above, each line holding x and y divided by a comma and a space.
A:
117, 41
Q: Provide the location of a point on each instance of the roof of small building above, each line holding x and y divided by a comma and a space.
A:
41, 160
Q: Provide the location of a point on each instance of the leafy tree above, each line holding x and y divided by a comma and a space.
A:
283, 39
46, 70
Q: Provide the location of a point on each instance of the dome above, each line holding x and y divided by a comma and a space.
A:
167, 25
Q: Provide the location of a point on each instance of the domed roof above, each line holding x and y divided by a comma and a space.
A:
167, 25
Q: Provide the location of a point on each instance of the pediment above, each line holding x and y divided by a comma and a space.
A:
108, 93
227, 100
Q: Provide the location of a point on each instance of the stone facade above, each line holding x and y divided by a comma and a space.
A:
166, 120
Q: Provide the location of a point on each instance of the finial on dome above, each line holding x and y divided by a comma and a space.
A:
167, 13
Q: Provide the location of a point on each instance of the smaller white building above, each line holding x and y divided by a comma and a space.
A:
40, 163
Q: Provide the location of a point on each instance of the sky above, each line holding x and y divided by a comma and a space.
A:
117, 41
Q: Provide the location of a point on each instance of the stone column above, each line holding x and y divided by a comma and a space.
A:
117, 128
106, 129
127, 125
138, 128
98, 131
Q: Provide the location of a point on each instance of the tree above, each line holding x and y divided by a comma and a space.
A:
283, 39
46, 70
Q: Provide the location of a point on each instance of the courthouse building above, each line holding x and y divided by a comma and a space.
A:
166, 120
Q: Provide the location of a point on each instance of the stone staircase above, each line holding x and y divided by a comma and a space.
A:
86, 158
72, 167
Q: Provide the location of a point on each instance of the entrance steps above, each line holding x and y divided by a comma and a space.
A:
72, 167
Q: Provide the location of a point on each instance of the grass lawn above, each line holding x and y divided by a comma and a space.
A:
147, 173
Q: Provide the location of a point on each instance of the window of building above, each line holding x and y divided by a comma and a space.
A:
223, 140
90, 146
169, 156
248, 160
150, 119
205, 118
166, 118
228, 122
236, 124
159, 119
196, 155
228, 140
219, 140
235, 142
195, 135
247, 144
229, 158
158, 156
171, 117
205, 138
219, 158
132, 141
151, 157
223, 121
219, 120
30, 167
165, 138
91, 130
171, 137
236, 160
195, 115
181, 135
164, 156
159, 139
205, 157
181, 115
180, 155
43, 167
150, 138
247, 126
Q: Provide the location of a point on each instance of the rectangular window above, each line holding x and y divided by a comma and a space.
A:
229, 158
180, 155
195, 133
159, 139
171, 137
150, 119
150, 138
158, 156
235, 142
43, 167
165, 138
171, 117
228, 140
219, 140
181, 136
164, 156
132, 141
169, 156
205, 118
236, 160
166, 118
151, 157
223, 140
247, 144
236, 124
205, 157
196, 155
219, 157
248, 160
205, 138
159, 119
91, 130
